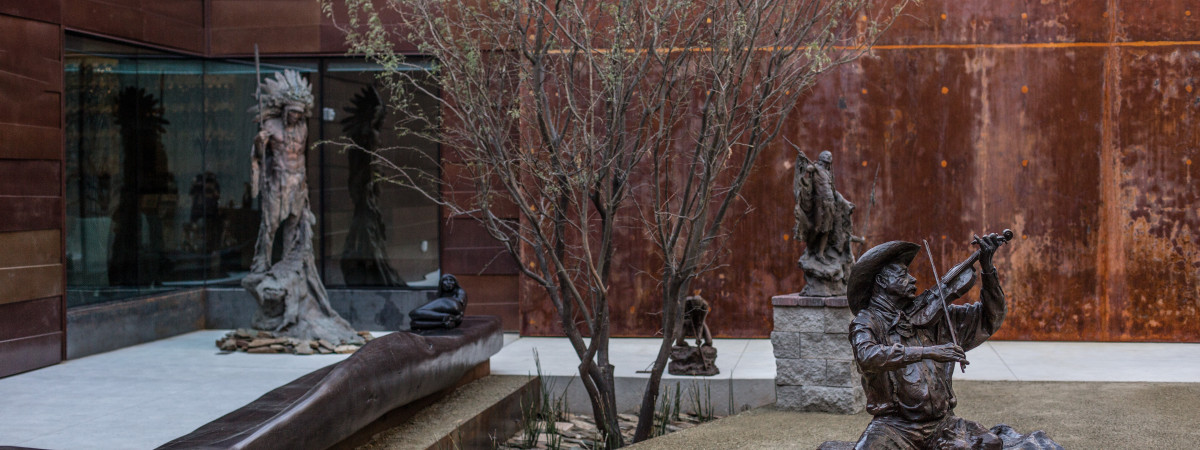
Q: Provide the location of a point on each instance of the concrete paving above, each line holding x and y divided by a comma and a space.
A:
147, 395
141, 396
994, 360
747, 378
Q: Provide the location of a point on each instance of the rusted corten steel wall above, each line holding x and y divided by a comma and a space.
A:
1072, 123
32, 281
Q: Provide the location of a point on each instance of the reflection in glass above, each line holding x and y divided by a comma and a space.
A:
375, 231
364, 255
148, 194
158, 169
229, 130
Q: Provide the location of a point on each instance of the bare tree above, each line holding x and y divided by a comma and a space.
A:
567, 110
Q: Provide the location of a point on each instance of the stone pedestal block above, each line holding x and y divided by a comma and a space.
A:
815, 369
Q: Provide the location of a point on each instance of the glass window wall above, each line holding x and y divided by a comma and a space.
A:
375, 233
158, 169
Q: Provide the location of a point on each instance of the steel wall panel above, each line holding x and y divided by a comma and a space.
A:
43, 10
20, 355
1157, 21
1070, 122
178, 24
32, 309
1154, 286
31, 318
935, 22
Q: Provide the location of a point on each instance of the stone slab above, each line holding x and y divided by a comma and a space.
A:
470, 417
826, 346
799, 319
785, 344
842, 374
800, 372
837, 319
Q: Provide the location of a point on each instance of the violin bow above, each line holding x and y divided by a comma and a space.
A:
941, 290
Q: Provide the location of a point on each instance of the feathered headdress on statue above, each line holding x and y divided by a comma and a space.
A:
287, 89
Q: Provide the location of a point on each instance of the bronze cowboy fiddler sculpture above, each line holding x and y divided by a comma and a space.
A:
906, 346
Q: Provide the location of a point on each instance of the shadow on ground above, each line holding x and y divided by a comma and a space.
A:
1076, 415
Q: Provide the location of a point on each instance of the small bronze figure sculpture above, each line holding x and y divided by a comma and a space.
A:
823, 221
701, 359
903, 346
695, 313
445, 311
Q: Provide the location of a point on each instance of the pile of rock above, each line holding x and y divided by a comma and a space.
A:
259, 341
579, 431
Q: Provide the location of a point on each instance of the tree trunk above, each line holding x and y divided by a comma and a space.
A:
601, 389
672, 327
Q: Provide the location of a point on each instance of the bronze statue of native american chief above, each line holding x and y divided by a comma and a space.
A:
823, 222
291, 297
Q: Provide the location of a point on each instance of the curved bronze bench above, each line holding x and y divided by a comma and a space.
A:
324, 407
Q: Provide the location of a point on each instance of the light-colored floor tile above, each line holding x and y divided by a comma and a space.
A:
1100, 361
756, 362
985, 364
147, 394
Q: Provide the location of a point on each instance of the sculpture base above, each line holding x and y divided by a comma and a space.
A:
814, 364
1012, 440
292, 302
823, 278
695, 361
259, 341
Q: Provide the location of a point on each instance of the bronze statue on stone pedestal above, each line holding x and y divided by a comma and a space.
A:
291, 297
906, 346
823, 222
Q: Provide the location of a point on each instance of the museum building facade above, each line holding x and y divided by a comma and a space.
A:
125, 141
125, 160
